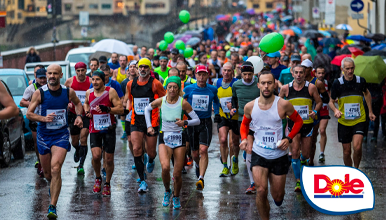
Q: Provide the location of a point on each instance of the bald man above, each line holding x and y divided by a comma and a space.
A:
52, 132
306, 56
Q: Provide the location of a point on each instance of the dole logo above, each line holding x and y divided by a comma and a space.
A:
337, 190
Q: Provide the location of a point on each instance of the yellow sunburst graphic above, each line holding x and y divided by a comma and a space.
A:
336, 187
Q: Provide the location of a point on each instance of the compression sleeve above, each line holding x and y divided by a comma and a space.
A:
234, 99
298, 123
148, 109
216, 103
194, 119
244, 128
325, 97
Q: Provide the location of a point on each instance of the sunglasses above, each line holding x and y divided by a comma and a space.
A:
144, 67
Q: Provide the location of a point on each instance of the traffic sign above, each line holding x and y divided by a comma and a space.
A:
315, 12
357, 5
357, 16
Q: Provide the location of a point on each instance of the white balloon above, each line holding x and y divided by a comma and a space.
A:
257, 62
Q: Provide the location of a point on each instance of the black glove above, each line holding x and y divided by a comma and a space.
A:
217, 118
105, 108
126, 112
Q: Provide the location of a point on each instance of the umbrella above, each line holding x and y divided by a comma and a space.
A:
113, 46
250, 11
288, 32
338, 59
372, 68
194, 33
331, 41
219, 16
333, 33
376, 37
344, 27
376, 53
193, 41
184, 38
325, 33
297, 30
379, 47
358, 38
287, 18
311, 34
355, 51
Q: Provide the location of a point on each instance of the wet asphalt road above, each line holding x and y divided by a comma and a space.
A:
23, 195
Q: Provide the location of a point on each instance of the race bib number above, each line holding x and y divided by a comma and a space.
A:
59, 120
266, 138
224, 102
102, 122
200, 102
352, 111
81, 96
128, 116
303, 111
173, 138
140, 104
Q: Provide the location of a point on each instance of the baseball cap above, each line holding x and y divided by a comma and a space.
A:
103, 59
175, 51
247, 67
144, 61
307, 63
40, 73
296, 58
275, 54
285, 58
201, 68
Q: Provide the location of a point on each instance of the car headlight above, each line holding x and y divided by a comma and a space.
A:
24, 111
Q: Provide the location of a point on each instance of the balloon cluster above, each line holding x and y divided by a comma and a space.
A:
179, 44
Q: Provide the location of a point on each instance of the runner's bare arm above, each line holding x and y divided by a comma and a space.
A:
117, 103
115, 73
78, 104
10, 109
316, 97
283, 91
24, 103
86, 105
154, 104
68, 82
294, 116
31, 109
213, 71
369, 105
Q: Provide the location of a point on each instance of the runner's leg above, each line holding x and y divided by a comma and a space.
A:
137, 140
109, 161
58, 156
295, 145
260, 176
347, 154
323, 135
223, 138
357, 146
96, 160
45, 161
165, 154
277, 185
314, 139
203, 159
179, 159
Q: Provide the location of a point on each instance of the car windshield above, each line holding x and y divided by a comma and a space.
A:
16, 84
79, 57
62, 80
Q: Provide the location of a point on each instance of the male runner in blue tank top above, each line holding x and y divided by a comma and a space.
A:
52, 133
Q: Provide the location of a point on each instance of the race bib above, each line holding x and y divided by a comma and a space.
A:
266, 138
102, 122
173, 138
224, 102
81, 96
352, 111
59, 120
303, 111
128, 116
140, 104
200, 102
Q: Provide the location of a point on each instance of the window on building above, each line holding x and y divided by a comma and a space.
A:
31, 8
67, 7
119, 4
93, 6
19, 15
11, 14
154, 5
256, 6
269, 5
20, 4
80, 7
106, 6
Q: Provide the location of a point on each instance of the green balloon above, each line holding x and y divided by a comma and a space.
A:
180, 45
271, 42
188, 52
169, 37
163, 45
184, 16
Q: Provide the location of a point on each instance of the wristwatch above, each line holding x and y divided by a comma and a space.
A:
79, 115
185, 123
289, 139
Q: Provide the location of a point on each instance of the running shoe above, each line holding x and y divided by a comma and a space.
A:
143, 187
97, 185
40, 170
225, 172
245, 156
36, 164
139, 179
200, 184
76, 155
124, 136
104, 172
321, 158
176, 203
190, 161
106, 190
150, 167
298, 187
251, 189
52, 212
303, 163
133, 167
184, 170
166, 200
235, 165
145, 158
80, 171
197, 171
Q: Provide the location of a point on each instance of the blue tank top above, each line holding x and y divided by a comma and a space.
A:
57, 104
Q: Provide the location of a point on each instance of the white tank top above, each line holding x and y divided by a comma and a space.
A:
268, 129
169, 113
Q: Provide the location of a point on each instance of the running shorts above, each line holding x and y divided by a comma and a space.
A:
345, 133
142, 128
305, 131
231, 124
200, 134
278, 166
75, 130
33, 125
325, 117
45, 142
161, 140
127, 127
106, 140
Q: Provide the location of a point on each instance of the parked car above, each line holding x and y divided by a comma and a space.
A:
12, 136
66, 69
17, 82
81, 54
